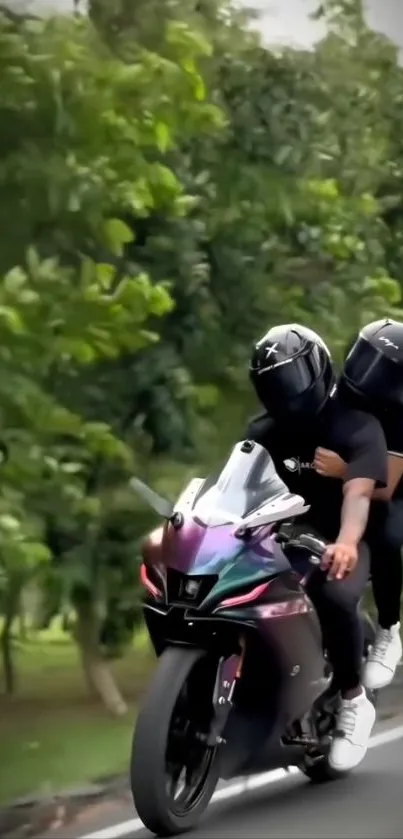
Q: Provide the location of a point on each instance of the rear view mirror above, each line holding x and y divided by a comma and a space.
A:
161, 506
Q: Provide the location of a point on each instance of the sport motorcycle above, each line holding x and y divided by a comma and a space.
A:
242, 683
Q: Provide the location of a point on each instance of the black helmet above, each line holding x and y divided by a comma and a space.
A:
292, 371
373, 369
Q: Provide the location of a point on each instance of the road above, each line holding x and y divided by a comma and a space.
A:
367, 804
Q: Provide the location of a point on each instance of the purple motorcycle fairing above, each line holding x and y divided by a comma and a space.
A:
201, 539
197, 549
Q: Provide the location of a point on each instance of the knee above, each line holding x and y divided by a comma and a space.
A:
340, 597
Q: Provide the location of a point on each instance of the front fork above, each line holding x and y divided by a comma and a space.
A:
229, 670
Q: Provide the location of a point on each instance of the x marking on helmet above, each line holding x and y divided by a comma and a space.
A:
271, 350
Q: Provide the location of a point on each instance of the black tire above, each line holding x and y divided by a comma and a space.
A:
148, 758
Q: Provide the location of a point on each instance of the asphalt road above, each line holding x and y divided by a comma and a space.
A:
367, 804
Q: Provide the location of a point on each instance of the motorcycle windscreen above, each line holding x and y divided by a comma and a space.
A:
207, 542
247, 480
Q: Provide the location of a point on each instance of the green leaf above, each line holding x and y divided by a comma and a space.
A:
33, 261
15, 279
12, 319
163, 136
37, 553
80, 350
117, 234
72, 468
164, 178
105, 275
161, 301
9, 523
389, 289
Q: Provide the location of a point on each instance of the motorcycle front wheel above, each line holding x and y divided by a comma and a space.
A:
173, 771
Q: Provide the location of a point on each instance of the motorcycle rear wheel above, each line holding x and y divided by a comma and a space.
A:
166, 713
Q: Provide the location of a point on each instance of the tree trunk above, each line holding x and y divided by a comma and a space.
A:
23, 623
97, 673
10, 612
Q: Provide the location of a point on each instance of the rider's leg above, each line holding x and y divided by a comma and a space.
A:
386, 539
336, 602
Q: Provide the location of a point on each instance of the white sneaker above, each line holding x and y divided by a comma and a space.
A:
355, 722
383, 658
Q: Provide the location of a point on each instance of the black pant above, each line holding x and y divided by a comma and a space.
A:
385, 539
336, 603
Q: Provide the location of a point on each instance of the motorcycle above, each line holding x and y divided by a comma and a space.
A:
242, 680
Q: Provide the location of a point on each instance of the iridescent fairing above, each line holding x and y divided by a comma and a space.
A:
197, 549
222, 526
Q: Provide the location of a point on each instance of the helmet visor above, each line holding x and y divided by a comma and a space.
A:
374, 375
282, 384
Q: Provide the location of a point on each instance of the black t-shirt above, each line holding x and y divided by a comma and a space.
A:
358, 439
392, 424
391, 421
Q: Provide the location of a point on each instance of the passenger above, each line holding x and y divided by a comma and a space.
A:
372, 381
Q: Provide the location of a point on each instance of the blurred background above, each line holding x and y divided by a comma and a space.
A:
175, 177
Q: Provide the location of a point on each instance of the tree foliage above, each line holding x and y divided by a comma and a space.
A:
81, 151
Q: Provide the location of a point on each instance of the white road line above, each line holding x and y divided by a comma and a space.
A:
238, 788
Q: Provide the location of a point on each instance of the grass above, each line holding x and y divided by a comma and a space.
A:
52, 734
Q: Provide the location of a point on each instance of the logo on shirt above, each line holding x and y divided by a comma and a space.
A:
294, 464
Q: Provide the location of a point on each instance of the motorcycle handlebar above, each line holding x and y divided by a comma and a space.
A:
304, 542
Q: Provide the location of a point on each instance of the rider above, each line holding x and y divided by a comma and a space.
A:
372, 380
292, 373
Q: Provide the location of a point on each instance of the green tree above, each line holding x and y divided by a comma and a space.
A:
286, 222
82, 149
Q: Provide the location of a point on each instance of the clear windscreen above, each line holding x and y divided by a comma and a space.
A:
247, 480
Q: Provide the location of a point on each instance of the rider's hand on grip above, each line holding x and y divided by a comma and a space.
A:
339, 560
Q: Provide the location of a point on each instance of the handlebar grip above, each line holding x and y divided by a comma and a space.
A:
310, 543
305, 542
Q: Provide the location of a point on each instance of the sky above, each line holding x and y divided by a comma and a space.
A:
288, 21
282, 21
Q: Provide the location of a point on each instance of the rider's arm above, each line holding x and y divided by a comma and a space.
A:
366, 469
394, 437
395, 473
357, 496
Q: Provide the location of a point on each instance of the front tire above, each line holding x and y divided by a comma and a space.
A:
154, 750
